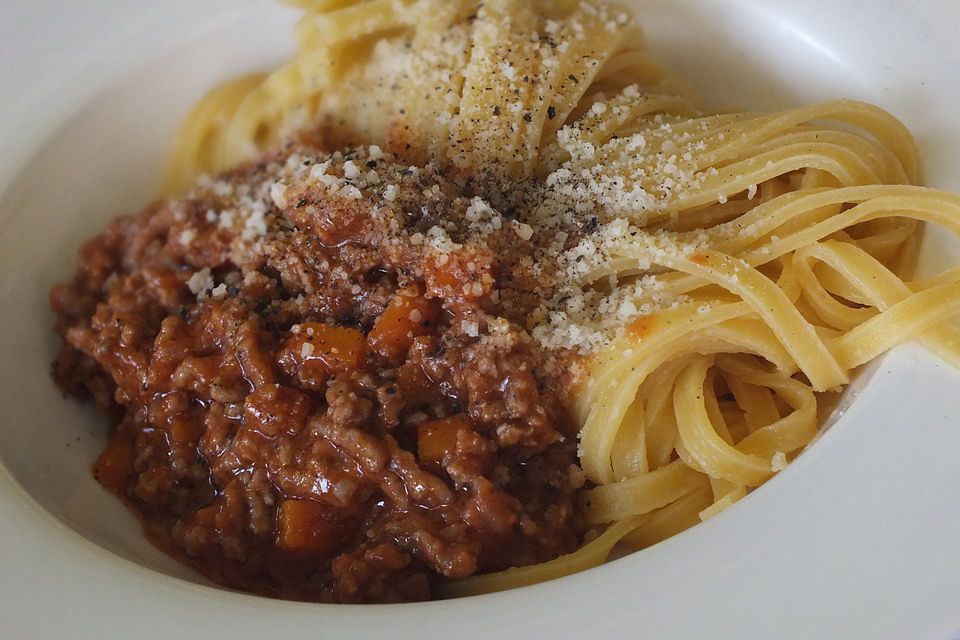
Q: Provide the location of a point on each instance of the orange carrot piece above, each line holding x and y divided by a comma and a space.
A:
408, 315
436, 439
337, 349
464, 276
306, 526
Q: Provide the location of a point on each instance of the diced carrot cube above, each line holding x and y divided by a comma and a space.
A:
337, 349
306, 526
437, 439
463, 276
444, 273
408, 315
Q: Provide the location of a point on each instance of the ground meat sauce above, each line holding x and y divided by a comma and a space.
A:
320, 383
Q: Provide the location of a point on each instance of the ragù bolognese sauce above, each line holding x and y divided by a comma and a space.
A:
320, 381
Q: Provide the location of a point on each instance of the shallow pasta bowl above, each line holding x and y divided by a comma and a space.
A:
855, 539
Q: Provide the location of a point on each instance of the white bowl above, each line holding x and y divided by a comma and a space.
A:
855, 540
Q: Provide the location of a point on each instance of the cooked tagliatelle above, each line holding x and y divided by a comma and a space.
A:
713, 275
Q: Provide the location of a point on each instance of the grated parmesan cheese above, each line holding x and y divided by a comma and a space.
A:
187, 236
779, 462
350, 170
200, 282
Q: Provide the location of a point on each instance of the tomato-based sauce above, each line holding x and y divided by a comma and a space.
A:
318, 390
